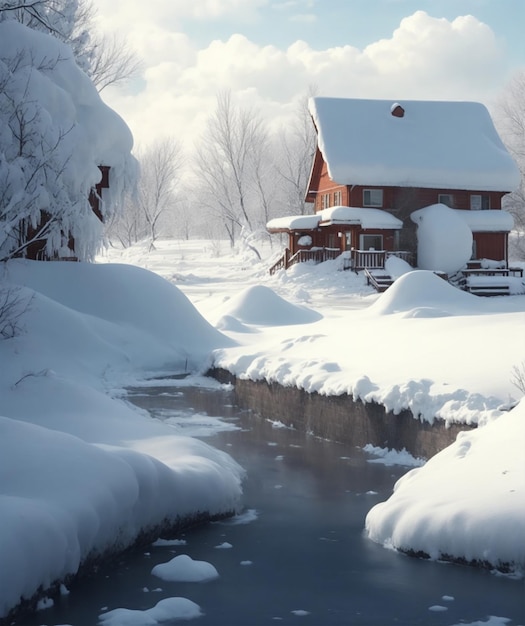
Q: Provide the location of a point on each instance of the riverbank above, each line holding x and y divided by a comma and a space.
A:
341, 418
47, 597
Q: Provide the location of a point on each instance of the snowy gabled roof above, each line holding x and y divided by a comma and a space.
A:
443, 145
366, 218
293, 222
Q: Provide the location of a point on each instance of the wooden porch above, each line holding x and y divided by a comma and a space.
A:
351, 260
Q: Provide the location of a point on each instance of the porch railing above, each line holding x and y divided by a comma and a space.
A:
317, 255
352, 259
375, 259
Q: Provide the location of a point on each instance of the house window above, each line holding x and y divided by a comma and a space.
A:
373, 197
338, 198
348, 239
447, 199
370, 242
479, 202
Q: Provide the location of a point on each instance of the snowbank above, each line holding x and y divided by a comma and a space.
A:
82, 473
467, 503
422, 345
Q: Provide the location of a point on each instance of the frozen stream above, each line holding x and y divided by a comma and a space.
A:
300, 556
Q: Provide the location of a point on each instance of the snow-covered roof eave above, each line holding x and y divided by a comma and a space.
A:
482, 181
492, 221
293, 222
366, 218
487, 221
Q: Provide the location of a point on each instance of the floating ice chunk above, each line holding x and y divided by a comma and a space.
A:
164, 611
183, 568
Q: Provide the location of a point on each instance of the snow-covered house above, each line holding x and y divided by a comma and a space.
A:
378, 161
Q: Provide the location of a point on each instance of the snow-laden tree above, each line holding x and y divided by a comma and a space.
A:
55, 132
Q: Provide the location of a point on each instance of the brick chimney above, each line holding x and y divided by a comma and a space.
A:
397, 110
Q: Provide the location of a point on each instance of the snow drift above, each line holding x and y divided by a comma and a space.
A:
83, 474
467, 503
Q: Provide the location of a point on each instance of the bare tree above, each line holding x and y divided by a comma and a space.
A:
155, 195
295, 157
510, 120
224, 162
113, 62
13, 305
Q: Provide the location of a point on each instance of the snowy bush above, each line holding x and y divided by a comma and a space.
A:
55, 132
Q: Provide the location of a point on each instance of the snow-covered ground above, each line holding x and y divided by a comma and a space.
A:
82, 472
423, 345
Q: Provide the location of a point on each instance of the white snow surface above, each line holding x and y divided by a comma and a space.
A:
437, 144
81, 471
422, 345
468, 501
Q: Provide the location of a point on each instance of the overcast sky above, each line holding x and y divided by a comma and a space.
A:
269, 52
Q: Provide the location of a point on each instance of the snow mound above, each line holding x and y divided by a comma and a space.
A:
231, 324
183, 568
261, 305
444, 239
128, 297
424, 294
467, 502
396, 267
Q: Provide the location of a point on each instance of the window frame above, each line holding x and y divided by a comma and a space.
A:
484, 198
446, 195
362, 239
370, 193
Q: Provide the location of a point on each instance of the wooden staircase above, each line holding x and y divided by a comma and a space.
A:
379, 279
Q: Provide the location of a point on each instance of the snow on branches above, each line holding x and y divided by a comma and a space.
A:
55, 132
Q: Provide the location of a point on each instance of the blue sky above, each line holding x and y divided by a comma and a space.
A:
327, 23
268, 53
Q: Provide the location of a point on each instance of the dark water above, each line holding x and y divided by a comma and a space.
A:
305, 551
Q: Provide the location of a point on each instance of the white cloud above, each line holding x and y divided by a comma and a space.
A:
425, 58
129, 16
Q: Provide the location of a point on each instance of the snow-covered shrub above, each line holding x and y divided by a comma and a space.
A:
55, 132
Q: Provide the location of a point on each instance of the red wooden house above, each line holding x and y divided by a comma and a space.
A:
377, 162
